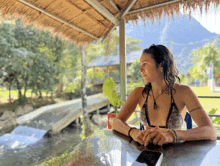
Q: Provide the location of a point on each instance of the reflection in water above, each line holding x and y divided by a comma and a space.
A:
44, 149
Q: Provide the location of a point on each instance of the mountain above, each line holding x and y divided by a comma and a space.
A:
180, 34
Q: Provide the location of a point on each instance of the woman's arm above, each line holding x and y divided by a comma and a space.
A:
119, 123
205, 129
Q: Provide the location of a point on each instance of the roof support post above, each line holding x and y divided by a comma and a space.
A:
123, 67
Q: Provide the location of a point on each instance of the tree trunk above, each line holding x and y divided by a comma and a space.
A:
40, 94
19, 90
25, 86
87, 129
10, 92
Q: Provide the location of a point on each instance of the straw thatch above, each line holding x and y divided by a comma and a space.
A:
82, 15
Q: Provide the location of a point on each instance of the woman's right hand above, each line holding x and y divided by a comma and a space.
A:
138, 135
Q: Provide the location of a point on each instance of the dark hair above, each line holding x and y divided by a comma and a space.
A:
161, 55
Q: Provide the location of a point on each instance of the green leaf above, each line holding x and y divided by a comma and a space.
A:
217, 119
109, 91
213, 111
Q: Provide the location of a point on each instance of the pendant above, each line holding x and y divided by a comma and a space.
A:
155, 105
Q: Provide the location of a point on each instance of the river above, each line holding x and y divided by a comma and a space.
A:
44, 149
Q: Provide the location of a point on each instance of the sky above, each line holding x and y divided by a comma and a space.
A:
209, 20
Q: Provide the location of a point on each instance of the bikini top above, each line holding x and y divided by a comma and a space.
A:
174, 119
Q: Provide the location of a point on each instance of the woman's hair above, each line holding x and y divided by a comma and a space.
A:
161, 55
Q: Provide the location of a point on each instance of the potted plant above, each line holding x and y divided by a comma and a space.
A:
109, 91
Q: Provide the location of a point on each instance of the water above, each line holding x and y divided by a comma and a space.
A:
22, 136
23, 152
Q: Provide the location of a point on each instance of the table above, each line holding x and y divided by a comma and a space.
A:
109, 147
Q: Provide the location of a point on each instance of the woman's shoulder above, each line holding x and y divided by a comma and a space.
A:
137, 91
182, 89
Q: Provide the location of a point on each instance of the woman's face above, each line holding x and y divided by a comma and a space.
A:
149, 70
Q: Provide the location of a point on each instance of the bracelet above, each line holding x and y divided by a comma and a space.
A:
177, 140
174, 135
129, 133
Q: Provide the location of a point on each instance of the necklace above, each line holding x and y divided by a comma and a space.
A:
155, 104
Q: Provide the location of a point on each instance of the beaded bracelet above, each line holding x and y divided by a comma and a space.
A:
174, 135
177, 139
129, 133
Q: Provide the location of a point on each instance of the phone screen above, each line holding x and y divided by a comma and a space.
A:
150, 158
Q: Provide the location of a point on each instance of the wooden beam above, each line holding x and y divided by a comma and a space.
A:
123, 69
127, 8
101, 9
153, 6
108, 33
25, 2
112, 3
122, 14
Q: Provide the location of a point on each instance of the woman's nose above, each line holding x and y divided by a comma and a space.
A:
140, 70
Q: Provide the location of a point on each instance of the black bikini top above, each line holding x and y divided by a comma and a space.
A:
174, 119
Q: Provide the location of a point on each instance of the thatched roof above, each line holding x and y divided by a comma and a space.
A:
88, 20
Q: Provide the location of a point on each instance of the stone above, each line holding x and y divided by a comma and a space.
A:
19, 111
7, 115
7, 124
28, 108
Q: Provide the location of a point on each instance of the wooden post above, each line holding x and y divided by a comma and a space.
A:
123, 69
86, 121
77, 122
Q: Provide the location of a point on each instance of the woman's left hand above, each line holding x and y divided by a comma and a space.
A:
158, 137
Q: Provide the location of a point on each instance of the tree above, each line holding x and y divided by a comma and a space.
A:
133, 70
28, 59
131, 43
88, 129
202, 58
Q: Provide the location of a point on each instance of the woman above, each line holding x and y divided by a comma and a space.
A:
163, 104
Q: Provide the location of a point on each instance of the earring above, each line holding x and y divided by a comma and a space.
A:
161, 71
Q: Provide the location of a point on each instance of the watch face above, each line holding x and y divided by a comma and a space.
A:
149, 157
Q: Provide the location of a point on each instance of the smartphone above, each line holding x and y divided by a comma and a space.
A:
151, 158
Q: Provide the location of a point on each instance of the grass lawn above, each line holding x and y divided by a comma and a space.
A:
4, 95
5, 105
207, 103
